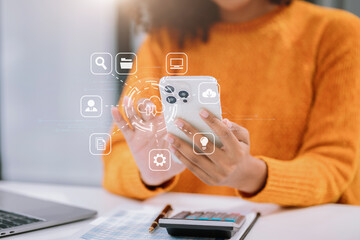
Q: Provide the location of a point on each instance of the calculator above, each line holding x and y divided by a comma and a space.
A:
203, 224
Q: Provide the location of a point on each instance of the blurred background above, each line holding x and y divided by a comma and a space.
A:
45, 46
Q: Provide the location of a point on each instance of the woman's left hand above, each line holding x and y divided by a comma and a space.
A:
231, 165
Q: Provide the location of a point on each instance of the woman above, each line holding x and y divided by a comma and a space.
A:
290, 81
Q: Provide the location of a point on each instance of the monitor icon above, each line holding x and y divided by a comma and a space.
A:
176, 63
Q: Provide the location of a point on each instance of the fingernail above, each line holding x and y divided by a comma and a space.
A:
204, 114
227, 122
172, 149
169, 139
179, 123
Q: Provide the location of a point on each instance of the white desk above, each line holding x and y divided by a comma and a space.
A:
329, 221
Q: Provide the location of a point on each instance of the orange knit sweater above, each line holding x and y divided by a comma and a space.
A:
292, 78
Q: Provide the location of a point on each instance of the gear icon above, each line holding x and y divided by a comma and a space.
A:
162, 160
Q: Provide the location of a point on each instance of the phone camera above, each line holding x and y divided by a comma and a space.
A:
169, 89
171, 99
183, 94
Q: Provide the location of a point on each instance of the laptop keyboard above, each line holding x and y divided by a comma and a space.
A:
9, 220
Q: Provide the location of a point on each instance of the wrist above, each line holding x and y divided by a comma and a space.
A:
256, 176
155, 181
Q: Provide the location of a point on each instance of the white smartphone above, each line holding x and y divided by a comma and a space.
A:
184, 97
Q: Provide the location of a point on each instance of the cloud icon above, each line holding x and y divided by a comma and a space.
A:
151, 106
208, 93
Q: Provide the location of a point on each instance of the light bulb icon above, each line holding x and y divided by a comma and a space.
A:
204, 141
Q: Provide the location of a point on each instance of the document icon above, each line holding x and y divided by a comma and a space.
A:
100, 144
97, 144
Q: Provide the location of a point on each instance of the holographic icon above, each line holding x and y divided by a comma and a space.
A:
159, 160
201, 144
101, 63
149, 106
176, 63
91, 106
204, 141
126, 63
208, 93
97, 143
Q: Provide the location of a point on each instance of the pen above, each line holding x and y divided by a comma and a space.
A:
167, 209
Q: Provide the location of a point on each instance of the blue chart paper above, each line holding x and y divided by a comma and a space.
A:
129, 225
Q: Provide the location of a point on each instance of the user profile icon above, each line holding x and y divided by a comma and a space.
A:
91, 106
176, 63
101, 63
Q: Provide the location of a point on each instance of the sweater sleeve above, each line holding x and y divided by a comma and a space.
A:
121, 174
329, 156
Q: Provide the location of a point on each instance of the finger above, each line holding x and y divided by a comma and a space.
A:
130, 111
159, 126
120, 121
227, 138
201, 174
241, 133
200, 161
195, 136
146, 109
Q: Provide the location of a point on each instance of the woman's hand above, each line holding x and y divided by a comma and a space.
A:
231, 165
142, 142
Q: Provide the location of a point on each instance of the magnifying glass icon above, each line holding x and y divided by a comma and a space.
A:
100, 61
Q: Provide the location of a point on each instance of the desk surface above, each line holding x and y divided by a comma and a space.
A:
331, 221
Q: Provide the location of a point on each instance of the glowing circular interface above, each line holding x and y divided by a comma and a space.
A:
145, 96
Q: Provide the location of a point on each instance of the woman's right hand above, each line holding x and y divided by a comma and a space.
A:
142, 142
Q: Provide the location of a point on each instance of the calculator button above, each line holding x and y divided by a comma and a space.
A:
194, 215
206, 216
219, 216
234, 218
181, 215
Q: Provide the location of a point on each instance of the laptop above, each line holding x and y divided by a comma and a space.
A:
20, 213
